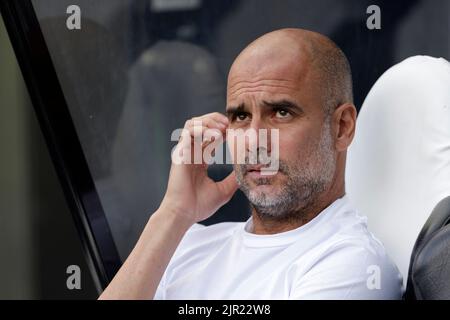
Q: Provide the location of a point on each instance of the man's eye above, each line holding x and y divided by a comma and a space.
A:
241, 116
281, 113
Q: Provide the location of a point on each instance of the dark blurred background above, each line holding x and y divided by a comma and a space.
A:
38, 239
119, 74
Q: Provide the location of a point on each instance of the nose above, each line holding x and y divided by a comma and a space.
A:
258, 136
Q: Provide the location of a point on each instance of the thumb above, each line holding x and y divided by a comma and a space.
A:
228, 186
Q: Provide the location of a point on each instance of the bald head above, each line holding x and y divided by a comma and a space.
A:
306, 57
292, 80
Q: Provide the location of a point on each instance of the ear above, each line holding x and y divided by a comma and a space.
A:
344, 120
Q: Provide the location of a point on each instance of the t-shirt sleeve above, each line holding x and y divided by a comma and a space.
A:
352, 272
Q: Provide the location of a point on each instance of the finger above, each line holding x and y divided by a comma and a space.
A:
197, 130
199, 136
185, 143
203, 130
216, 116
206, 122
206, 134
213, 123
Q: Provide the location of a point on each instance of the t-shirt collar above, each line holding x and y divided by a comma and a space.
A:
284, 238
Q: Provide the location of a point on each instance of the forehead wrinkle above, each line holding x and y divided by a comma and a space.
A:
260, 85
283, 75
303, 56
255, 81
282, 71
255, 90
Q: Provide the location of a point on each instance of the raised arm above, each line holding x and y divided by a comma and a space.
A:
191, 196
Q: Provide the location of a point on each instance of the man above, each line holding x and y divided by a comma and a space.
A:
304, 239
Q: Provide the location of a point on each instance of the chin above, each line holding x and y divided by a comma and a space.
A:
269, 191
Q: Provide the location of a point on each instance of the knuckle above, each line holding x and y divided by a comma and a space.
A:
207, 120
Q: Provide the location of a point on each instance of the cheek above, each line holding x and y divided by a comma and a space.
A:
293, 146
289, 149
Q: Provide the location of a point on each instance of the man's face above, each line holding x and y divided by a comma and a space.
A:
284, 96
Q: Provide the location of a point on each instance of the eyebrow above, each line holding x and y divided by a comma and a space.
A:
232, 110
284, 104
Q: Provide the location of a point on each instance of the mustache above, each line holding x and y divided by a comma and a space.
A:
261, 160
247, 166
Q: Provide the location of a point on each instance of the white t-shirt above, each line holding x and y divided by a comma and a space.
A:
333, 256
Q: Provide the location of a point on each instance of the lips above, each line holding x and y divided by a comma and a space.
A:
257, 171
255, 168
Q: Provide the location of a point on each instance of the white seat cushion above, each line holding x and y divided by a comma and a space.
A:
398, 165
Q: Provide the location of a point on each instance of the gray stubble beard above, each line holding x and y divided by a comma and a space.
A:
303, 186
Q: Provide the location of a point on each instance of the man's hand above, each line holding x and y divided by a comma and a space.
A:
191, 194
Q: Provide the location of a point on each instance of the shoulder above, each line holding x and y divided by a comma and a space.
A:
357, 249
354, 269
352, 237
351, 264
